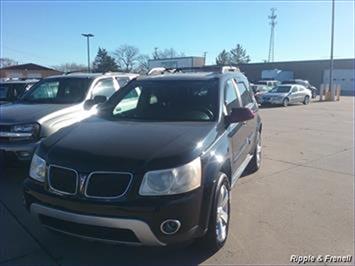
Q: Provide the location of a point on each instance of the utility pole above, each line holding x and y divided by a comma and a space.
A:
332, 93
272, 18
204, 56
88, 36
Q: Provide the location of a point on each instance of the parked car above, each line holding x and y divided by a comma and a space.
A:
11, 90
304, 83
268, 82
156, 173
286, 94
49, 105
259, 90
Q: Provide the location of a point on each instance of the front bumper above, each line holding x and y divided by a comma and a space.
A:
22, 151
100, 220
140, 229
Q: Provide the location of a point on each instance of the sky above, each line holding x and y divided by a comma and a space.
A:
49, 32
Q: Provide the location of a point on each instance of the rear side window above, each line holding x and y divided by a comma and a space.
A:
244, 94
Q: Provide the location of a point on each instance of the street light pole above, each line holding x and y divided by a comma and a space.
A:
331, 54
88, 36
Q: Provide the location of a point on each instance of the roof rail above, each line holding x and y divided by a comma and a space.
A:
75, 72
119, 73
216, 69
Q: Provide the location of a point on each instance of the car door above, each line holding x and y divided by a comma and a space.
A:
249, 126
302, 92
293, 96
237, 132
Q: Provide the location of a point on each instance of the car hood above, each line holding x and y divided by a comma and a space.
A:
26, 113
97, 144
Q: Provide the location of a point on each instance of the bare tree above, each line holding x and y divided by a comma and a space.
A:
143, 64
127, 57
5, 62
166, 53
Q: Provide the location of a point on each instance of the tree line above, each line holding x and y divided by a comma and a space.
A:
127, 58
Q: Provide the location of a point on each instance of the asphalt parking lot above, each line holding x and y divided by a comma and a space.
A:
301, 202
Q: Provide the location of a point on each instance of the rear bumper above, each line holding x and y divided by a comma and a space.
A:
21, 151
141, 229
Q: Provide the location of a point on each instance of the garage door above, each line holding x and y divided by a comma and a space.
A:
344, 77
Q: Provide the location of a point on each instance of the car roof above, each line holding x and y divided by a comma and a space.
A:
19, 81
181, 76
94, 75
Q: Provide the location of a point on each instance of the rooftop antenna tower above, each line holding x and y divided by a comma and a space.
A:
272, 19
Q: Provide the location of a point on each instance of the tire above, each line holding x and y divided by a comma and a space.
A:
217, 233
285, 102
306, 100
255, 163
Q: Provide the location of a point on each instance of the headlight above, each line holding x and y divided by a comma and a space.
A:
38, 168
32, 129
172, 181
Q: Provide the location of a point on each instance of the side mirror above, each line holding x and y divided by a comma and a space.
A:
240, 115
98, 99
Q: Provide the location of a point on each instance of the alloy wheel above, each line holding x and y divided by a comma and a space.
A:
222, 214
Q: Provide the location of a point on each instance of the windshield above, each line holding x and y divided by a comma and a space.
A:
281, 89
58, 90
165, 100
3, 92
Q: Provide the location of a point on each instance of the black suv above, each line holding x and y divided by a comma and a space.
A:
155, 166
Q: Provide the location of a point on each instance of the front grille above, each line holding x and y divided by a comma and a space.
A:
99, 232
5, 128
107, 184
63, 180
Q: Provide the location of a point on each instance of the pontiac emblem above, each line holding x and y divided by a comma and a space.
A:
82, 183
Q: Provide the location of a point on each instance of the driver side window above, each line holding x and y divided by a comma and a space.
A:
294, 89
104, 87
46, 90
231, 99
129, 101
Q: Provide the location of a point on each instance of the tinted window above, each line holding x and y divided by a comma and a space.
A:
244, 94
173, 100
58, 90
281, 89
122, 81
104, 87
230, 93
3, 92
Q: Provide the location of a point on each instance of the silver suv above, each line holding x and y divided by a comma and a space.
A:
51, 104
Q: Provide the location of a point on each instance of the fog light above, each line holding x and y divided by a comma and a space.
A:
170, 227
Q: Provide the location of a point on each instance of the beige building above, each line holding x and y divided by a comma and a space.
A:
27, 71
